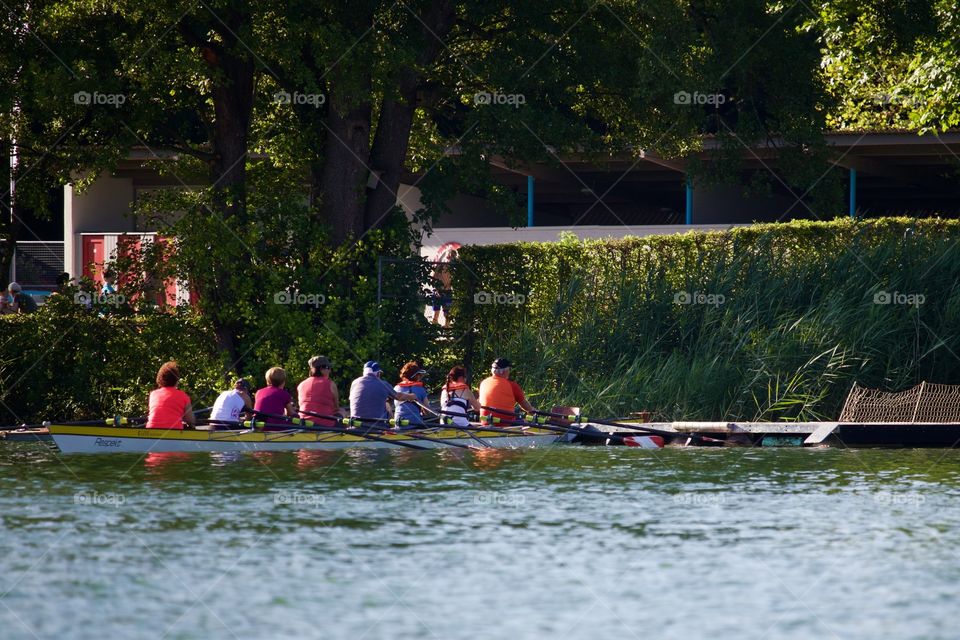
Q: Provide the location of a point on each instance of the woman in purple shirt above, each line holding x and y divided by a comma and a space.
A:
274, 398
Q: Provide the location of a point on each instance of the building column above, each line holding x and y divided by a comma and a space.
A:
689, 219
68, 239
529, 201
853, 193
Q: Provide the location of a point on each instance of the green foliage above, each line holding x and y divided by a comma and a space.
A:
890, 64
283, 291
762, 322
65, 361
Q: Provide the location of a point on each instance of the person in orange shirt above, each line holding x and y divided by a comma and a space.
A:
170, 407
500, 392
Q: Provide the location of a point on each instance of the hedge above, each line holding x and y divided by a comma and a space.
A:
771, 321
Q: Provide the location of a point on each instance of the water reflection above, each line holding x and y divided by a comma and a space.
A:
311, 459
163, 465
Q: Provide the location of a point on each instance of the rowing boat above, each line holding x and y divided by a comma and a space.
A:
110, 439
99, 439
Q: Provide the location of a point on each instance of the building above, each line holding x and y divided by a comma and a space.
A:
884, 173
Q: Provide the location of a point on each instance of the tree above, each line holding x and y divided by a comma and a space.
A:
891, 64
342, 102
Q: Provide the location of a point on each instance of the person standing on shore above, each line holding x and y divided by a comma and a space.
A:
170, 407
500, 392
20, 302
318, 393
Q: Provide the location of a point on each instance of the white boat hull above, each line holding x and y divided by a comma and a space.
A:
78, 439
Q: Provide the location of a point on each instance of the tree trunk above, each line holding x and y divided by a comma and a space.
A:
392, 137
232, 74
345, 171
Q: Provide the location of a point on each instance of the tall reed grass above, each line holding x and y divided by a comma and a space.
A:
768, 322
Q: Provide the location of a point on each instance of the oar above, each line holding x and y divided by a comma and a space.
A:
372, 423
580, 430
541, 417
299, 424
437, 412
630, 427
115, 421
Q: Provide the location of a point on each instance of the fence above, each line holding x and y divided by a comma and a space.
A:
36, 264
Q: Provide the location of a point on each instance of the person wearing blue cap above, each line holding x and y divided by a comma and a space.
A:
369, 394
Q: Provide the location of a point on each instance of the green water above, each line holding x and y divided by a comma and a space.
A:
562, 542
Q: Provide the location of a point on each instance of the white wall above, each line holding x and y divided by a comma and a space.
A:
502, 235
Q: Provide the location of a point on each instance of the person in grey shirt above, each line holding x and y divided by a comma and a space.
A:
369, 394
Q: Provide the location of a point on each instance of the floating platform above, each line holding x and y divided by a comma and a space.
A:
26, 435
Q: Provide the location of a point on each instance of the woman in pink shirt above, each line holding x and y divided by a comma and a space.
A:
169, 407
318, 393
273, 398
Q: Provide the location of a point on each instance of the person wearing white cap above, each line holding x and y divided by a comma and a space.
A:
21, 302
369, 394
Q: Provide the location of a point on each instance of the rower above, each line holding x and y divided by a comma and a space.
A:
169, 406
318, 393
411, 381
457, 396
231, 403
274, 398
500, 392
369, 394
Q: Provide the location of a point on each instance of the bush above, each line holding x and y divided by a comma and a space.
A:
771, 321
65, 362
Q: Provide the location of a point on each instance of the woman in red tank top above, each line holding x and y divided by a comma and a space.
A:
318, 393
169, 407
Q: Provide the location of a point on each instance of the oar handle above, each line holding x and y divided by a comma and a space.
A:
520, 415
349, 422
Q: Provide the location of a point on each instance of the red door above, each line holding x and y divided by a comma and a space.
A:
93, 258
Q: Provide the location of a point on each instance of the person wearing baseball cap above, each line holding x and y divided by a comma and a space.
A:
231, 403
318, 392
500, 392
369, 394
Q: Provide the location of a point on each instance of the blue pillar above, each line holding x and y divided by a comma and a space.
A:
689, 201
853, 193
529, 201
